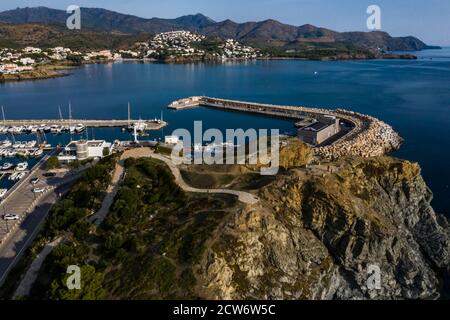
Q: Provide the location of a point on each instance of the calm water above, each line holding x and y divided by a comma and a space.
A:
413, 96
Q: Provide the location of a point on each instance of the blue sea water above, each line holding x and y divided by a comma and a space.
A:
412, 96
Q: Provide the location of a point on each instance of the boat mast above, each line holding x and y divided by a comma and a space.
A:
129, 114
4, 122
70, 120
3, 113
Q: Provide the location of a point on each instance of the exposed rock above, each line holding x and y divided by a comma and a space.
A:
317, 236
294, 153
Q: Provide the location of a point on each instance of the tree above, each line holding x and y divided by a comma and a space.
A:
91, 286
106, 152
53, 163
75, 59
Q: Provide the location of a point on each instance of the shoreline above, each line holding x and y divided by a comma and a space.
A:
42, 73
57, 71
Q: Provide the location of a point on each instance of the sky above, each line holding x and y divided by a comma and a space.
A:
428, 20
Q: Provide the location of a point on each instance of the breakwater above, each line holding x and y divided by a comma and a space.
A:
367, 136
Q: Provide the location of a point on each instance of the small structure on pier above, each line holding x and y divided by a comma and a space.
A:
319, 131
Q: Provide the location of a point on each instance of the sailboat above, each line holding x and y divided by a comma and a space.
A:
72, 128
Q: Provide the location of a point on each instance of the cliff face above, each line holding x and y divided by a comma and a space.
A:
319, 232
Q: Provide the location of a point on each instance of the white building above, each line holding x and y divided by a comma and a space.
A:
32, 50
27, 61
171, 139
83, 150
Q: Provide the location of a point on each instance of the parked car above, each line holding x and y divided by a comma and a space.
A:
34, 180
49, 174
38, 190
10, 216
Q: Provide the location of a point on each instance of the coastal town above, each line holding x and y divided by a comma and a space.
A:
167, 46
222, 158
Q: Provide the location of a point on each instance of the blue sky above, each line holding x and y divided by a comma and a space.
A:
427, 19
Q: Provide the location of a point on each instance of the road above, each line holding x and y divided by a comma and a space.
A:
16, 236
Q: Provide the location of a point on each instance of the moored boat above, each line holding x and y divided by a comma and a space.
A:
22, 166
7, 166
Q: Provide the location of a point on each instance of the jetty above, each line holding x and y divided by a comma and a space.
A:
149, 124
366, 136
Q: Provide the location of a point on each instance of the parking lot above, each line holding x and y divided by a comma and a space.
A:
32, 209
23, 200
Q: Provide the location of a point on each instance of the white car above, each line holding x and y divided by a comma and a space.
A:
10, 216
38, 190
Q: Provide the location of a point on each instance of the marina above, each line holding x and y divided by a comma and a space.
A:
76, 125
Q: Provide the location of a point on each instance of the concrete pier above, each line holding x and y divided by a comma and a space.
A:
149, 125
366, 137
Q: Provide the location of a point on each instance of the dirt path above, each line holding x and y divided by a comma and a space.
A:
114, 185
25, 285
243, 196
111, 192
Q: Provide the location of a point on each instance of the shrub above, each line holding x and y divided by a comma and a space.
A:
53, 163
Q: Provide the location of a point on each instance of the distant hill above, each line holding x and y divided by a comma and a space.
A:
268, 33
105, 20
45, 36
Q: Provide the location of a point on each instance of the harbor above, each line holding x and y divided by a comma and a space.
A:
333, 133
26, 141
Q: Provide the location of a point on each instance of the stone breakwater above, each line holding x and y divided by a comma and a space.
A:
371, 137
368, 136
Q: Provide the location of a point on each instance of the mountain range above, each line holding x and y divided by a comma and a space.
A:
268, 33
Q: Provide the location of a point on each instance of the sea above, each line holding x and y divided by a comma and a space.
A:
411, 95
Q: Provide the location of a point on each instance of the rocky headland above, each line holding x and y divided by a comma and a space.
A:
320, 230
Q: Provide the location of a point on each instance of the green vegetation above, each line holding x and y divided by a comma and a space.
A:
106, 152
147, 247
319, 53
235, 177
53, 163
91, 286
75, 164
83, 199
75, 59
210, 45
163, 150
